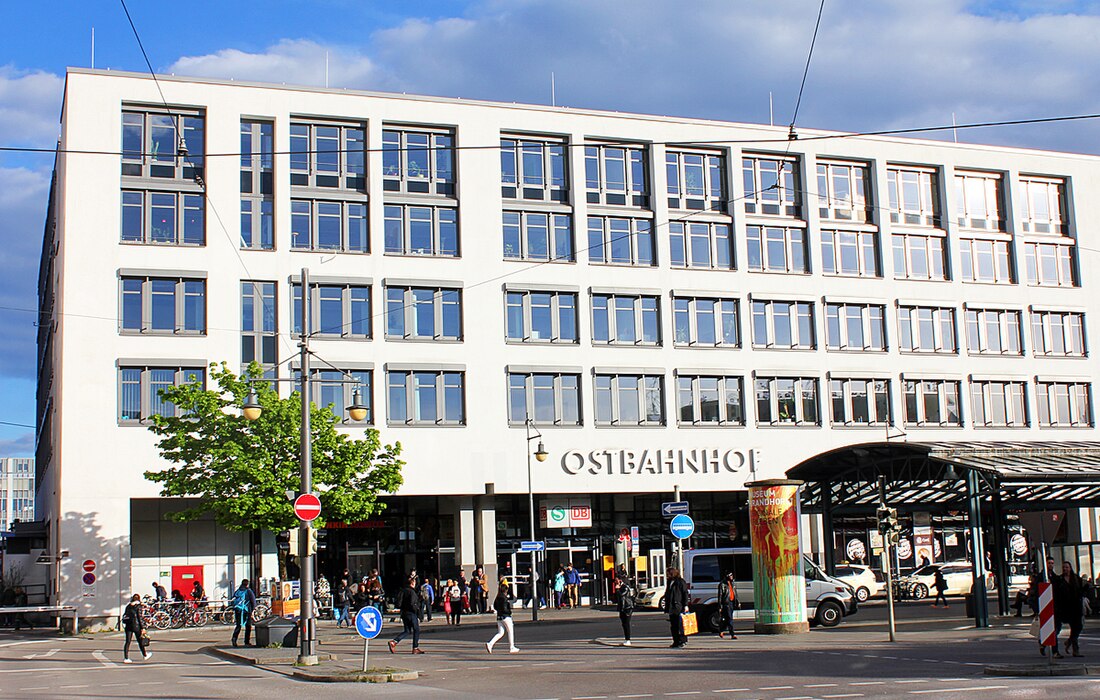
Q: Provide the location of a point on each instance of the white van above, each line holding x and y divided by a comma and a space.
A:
828, 600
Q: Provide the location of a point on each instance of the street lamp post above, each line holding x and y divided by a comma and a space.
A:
307, 652
540, 454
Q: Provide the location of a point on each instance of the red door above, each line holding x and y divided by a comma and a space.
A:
184, 577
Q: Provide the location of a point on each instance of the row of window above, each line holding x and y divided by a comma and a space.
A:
176, 305
438, 397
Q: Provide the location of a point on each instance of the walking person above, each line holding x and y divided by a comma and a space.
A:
408, 605
243, 603
427, 599
503, 605
572, 585
940, 584
133, 625
624, 603
676, 604
1069, 608
559, 588
342, 603
727, 598
458, 603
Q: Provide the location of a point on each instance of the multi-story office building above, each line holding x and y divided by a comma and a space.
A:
670, 302
16, 490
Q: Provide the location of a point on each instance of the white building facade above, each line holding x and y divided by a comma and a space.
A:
673, 303
16, 490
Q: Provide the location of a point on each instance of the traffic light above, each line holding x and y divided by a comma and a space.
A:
292, 535
311, 543
888, 525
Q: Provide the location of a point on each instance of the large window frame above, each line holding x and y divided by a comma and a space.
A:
162, 305
913, 196
331, 388
927, 329
986, 260
621, 241
787, 401
701, 245
537, 316
151, 141
860, 402
425, 397
1064, 404
932, 402
846, 253
422, 312
328, 156
1051, 262
626, 319
423, 231
260, 325
695, 179
979, 200
855, 327
993, 331
329, 226
783, 325
534, 168
257, 185
772, 185
153, 217
1043, 205
338, 310
418, 160
777, 249
919, 256
706, 321
629, 399
710, 400
844, 191
999, 403
617, 174
1058, 333
139, 386
547, 398
541, 236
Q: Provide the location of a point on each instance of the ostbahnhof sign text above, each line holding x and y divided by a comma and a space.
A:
706, 460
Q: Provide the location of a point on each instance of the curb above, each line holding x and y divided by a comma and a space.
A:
395, 676
1039, 670
253, 661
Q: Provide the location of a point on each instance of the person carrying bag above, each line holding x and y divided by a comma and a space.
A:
727, 598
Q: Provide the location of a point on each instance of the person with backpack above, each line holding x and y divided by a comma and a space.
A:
342, 603
940, 584
727, 598
408, 604
243, 603
503, 605
625, 604
427, 599
133, 626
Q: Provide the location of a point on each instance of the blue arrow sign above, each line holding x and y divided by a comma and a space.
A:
682, 526
368, 623
532, 546
671, 508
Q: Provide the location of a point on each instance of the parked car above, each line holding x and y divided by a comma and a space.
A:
651, 597
958, 574
865, 581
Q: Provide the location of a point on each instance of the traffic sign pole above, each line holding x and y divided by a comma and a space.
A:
679, 542
368, 623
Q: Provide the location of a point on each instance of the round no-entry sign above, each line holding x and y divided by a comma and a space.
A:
89, 565
307, 507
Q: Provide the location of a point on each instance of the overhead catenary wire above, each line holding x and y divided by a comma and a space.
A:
791, 135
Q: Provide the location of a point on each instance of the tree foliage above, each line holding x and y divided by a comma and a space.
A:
241, 470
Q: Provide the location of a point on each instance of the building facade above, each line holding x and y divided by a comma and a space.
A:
673, 304
16, 490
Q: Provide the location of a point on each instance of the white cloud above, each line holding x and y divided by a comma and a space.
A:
23, 195
295, 62
30, 107
20, 446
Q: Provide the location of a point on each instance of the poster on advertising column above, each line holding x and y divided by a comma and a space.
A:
922, 539
778, 582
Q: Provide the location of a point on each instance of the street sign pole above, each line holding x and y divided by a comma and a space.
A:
679, 543
887, 544
366, 644
307, 653
368, 623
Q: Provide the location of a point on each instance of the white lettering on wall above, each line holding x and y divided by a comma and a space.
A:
625, 462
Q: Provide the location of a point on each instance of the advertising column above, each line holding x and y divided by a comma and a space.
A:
778, 582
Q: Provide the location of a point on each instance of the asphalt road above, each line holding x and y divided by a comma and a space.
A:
938, 655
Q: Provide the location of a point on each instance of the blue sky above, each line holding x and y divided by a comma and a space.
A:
878, 65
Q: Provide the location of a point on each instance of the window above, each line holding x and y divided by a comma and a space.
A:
785, 325
541, 317
426, 397
858, 402
335, 310
919, 257
855, 327
1058, 333
1044, 205
696, 180
625, 320
423, 313
533, 169
985, 260
421, 231
163, 218
616, 175
701, 245
630, 399
914, 196
152, 148
850, 253
979, 201
1064, 404
257, 186
997, 404
710, 400
139, 390
418, 161
328, 226
1051, 264
616, 241
327, 156
926, 329
547, 398
538, 236
993, 332
704, 322
932, 402
259, 329
163, 305
333, 388
772, 186
777, 249
844, 191
786, 400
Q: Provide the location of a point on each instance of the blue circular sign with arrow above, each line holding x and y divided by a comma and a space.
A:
368, 623
682, 526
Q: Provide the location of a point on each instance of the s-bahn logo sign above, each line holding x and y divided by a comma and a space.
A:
704, 460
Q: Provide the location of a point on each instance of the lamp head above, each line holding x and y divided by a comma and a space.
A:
357, 411
251, 407
541, 454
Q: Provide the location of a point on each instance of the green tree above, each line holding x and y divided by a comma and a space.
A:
241, 470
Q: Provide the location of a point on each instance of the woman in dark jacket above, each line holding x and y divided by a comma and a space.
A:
503, 606
1069, 593
131, 622
625, 605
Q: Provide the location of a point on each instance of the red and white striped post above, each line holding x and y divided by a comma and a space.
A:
1047, 637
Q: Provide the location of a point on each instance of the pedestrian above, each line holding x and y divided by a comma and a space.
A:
408, 605
159, 592
457, 600
375, 594
572, 585
1069, 608
133, 625
342, 603
940, 584
7, 599
427, 599
21, 617
243, 603
624, 603
445, 595
559, 588
727, 598
503, 605
676, 604
197, 592
481, 596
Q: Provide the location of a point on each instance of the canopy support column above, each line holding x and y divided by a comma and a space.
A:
827, 527
974, 511
1000, 549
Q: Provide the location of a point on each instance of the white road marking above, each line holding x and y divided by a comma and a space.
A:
686, 692
958, 690
820, 685
731, 690
37, 687
43, 655
776, 687
868, 683
844, 695
102, 658
590, 697
51, 670
639, 695
797, 697
914, 680
64, 687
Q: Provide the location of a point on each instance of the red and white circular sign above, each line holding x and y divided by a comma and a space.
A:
307, 507
89, 565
